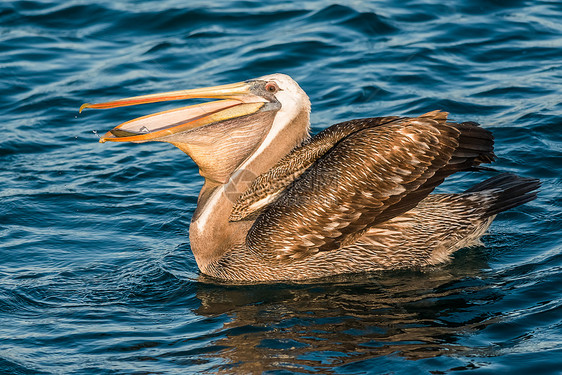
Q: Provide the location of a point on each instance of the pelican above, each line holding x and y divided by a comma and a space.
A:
280, 205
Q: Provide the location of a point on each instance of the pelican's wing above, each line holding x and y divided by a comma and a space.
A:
269, 185
366, 177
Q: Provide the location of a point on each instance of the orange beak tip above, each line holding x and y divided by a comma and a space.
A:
85, 105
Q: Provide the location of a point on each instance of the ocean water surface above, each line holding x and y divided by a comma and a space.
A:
96, 272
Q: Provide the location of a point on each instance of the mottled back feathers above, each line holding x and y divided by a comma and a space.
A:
327, 192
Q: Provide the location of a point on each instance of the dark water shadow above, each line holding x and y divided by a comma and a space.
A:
341, 322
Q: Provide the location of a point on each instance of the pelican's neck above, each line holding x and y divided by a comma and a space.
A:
211, 234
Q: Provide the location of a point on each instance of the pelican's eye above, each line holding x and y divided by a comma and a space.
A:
271, 87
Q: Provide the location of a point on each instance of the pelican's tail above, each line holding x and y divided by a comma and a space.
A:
508, 190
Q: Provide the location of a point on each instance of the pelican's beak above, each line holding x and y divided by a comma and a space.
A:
238, 100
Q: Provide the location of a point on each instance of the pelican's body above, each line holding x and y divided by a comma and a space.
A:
279, 205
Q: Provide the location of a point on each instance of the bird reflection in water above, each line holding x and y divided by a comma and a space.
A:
414, 315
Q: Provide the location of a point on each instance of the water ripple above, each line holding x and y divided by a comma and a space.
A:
96, 272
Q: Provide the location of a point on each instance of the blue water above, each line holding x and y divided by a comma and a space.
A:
96, 273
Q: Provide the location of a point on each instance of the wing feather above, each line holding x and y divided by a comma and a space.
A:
268, 185
366, 177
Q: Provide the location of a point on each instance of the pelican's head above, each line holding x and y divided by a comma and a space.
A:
252, 118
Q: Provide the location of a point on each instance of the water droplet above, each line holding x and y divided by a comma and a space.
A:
96, 133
